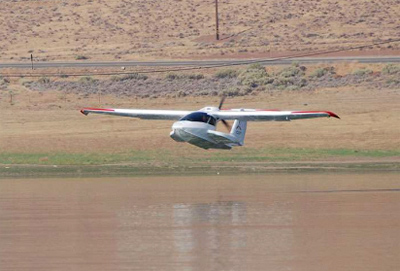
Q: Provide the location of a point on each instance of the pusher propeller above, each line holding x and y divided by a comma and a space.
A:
227, 125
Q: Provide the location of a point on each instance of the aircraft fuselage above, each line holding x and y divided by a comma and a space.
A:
198, 134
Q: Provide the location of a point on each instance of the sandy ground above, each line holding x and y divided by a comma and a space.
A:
51, 122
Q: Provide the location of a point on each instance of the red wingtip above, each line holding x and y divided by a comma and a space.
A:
331, 114
86, 110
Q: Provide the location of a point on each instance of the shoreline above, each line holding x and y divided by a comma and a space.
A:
208, 169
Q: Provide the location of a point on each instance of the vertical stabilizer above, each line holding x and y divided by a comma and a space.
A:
239, 130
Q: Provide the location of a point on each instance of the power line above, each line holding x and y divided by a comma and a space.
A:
211, 66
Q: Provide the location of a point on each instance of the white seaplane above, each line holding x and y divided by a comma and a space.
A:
199, 127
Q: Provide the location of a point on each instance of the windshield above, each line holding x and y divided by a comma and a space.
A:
200, 117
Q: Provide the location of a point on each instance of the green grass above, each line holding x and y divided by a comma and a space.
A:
197, 162
74, 158
293, 154
169, 157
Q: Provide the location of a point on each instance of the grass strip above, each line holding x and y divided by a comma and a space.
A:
161, 157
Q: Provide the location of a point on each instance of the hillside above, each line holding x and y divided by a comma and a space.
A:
125, 30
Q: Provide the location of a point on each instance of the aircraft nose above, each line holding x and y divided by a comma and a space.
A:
177, 125
175, 133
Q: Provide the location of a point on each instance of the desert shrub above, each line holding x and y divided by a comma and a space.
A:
302, 82
295, 64
256, 66
181, 93
255, 75
172, 76
3, 83
4, 80
231, 92
289, 83
43, 80
115, 78
87, 80
214, 93
202, 93
292, 71
247, 90
175, 76
292, 87
27, 83
391, 69
81, 57
226, 73
318, 73
131, 76
195, 76
393, 81
291, 77
283, 82
362, 72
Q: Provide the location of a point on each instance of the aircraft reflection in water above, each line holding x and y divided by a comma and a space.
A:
219, 232
212, 230
211, 220
182, 232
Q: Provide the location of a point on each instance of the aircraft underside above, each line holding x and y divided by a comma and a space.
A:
199, 141
204, 144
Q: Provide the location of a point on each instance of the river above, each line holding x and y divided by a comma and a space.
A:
279, 221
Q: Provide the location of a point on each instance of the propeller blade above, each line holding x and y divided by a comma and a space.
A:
221, 102
227, 125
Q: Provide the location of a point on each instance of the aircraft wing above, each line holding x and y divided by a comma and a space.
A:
139, 113
270, 115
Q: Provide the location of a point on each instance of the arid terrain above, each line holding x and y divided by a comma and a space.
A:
127, 30
44, 122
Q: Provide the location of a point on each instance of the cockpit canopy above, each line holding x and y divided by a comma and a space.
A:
200, 117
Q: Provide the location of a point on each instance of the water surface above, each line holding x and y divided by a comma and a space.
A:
245, 222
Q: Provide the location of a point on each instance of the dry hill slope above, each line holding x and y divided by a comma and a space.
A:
119, 29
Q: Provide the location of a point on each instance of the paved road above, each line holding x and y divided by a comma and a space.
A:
195, 62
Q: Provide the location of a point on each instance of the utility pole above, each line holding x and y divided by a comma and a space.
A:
11, 97
216, 20
32, 60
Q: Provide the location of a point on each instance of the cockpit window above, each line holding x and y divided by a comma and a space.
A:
200, 117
